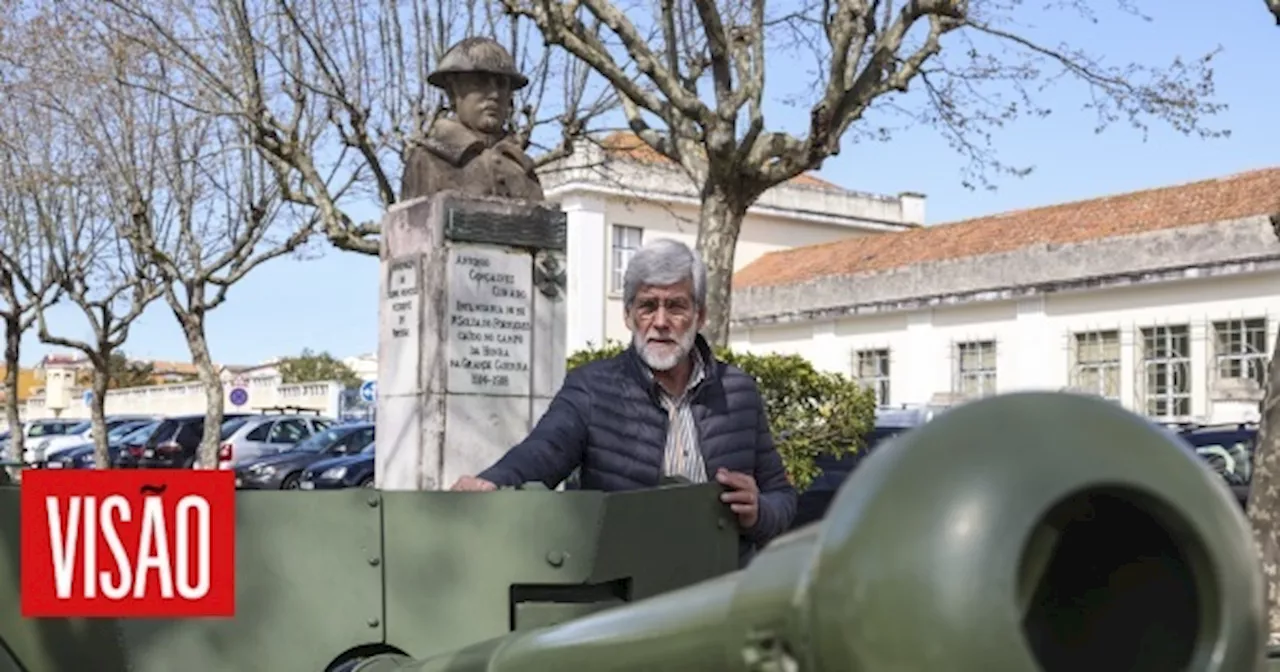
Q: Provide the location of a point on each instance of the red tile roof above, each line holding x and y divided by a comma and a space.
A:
628, 146
1232, 197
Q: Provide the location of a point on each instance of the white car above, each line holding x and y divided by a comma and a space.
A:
40, 450
35, 431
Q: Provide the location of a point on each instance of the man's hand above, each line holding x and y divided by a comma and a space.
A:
473, 484
743, 497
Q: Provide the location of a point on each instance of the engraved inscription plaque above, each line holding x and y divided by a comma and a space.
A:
490, 320
400, 316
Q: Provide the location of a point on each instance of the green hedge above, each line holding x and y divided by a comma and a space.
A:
810, 412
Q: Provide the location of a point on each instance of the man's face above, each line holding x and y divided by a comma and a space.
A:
482, 101
664, 321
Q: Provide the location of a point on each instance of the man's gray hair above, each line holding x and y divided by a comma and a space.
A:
665, 262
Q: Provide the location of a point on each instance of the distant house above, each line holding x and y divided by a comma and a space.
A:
172, 372
30, 381
1165, 300
618, 193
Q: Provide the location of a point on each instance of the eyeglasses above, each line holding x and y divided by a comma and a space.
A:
675, 308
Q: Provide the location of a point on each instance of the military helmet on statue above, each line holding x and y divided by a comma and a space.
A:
477, 54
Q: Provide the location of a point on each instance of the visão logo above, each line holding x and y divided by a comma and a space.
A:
128, 543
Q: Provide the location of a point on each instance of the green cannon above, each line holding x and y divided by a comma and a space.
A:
1032, 532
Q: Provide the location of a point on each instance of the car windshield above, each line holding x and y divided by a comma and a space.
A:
318, 442
229, 427
143, 433
124, 429
80, 427
368, 450
42, 430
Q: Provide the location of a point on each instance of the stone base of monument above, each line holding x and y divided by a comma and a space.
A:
471, 334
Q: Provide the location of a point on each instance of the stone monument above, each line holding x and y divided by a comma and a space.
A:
472, 313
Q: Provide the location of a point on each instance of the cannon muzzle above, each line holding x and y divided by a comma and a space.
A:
1032, 532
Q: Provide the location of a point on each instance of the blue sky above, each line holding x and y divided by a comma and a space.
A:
329, 303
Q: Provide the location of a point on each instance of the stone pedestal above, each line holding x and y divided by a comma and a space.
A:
471, 334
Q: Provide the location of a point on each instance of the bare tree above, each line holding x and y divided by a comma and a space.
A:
972, 67
92, 268
53, 91
333, 92
1263, 507
26, 286
191, 202
212, 215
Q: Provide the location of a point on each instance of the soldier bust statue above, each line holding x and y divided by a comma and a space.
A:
472, 151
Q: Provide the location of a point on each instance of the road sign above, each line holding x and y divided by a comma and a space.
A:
369, 390
239, 381
239, 396
88, 397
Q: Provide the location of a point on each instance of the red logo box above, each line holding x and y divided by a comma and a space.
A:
128, 543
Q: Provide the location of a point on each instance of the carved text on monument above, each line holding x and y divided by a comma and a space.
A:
490, 321
402, 293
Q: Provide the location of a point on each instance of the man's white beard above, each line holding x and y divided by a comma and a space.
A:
663, 357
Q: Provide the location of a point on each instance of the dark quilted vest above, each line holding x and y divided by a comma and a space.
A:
608, 422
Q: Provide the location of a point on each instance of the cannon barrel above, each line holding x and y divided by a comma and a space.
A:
1036, 532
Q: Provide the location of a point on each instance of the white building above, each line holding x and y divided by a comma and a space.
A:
619, 193
1165, 300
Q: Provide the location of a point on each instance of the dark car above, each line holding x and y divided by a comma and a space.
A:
173, 444
284, 470
813, 502
351, 471
1228, 450
81, 456
128, 448
70, 456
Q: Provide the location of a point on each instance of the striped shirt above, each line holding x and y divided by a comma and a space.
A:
683, 455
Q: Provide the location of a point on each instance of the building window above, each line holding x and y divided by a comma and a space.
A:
1240, 349
1166, 367
871, 369
976, 369
626, 241
1097, 363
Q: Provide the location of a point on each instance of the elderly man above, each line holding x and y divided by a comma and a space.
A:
664, 407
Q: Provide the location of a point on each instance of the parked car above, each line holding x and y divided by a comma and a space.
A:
1228, 450
248, 438
351, 471
128, 448
34, 430
812, 504
80, 456
174, 443
46, 449
284, 470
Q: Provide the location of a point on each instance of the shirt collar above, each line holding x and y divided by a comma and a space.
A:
696, 376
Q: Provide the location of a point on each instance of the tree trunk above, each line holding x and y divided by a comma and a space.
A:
1263, 507
719, 223
193, 329
98, 414
1264, 493
12, 353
